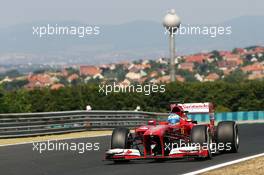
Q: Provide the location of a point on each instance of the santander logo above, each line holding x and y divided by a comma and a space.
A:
196, 107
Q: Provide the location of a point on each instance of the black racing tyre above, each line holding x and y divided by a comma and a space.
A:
200, 135
121, 138
227, 134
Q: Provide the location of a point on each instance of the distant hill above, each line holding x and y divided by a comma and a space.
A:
131, 40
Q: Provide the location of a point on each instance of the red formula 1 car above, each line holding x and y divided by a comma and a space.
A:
177, 138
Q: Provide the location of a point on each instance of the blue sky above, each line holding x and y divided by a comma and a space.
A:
121, 11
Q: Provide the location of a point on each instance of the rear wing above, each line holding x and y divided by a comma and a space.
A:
200, 108
193, 108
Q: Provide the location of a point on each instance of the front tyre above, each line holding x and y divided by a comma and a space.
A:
200, 135
121, 139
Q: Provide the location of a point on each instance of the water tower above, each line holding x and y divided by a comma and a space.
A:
172, 22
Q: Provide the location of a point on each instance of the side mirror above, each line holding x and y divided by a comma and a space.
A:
163, 123
152, 122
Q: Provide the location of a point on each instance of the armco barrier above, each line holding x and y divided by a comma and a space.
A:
34, 124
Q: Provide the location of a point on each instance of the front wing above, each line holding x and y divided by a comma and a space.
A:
134, 154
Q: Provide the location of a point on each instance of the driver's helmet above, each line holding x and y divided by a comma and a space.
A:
173, 118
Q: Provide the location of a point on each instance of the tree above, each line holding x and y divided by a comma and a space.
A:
227, 96
236, 76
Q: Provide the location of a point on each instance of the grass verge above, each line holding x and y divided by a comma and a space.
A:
252, 166
53, 137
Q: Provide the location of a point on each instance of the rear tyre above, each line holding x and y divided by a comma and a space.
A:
200, 135
227, 134
121, 139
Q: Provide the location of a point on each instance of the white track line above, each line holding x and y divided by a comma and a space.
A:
224, 164
70, 138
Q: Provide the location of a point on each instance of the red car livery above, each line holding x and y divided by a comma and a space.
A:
186, 138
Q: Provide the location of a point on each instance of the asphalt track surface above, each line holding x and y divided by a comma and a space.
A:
22, 160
